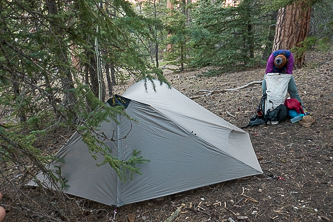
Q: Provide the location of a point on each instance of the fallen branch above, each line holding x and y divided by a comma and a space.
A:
175, 214
230, 114
225, 207
203, 211
210, 92
195, 97
250, 198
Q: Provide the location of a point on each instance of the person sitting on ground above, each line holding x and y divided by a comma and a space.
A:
273, 107
2, 211
282, 61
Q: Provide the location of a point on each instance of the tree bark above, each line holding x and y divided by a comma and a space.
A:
18, 98
156, 37
108, 79
97, 85
292, 27
170, 7
183, 43
113, 74
66, 76
93, 79
250, 40
271, 31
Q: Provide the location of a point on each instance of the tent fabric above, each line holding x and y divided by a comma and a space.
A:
277, 89
187, 147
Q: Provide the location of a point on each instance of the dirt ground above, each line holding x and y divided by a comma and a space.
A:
297, 161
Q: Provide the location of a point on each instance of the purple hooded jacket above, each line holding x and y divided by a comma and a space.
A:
289, 65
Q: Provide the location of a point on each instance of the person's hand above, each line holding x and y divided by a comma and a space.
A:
2, 211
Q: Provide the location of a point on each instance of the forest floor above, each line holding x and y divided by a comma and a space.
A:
297, 161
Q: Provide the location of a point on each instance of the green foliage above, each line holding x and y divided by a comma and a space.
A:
211, 72
155, 14
57, 177
323, 44
274, 5
228, 36
179, 37
321, 29
178, 30
122, 167
50, 52
304, 46
321, 24
47, 71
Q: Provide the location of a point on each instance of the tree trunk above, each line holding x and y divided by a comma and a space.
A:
170, 7
66, 76
108, 79
292, 27
93, 79
182, 56
271, 31
156, 37
188, 13
101, 84
151, 47
183, 43
156, 53
18, 98
113, 74
250, 40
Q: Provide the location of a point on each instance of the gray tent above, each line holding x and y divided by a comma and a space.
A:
187, 145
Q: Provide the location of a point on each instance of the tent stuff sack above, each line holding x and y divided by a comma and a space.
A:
187, 147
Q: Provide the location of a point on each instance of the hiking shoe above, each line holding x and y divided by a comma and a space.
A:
256, 122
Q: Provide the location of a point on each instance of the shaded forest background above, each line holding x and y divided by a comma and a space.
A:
60, 60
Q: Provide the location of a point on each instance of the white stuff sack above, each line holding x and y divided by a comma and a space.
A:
277, 89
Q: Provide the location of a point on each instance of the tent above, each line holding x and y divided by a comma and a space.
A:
187, 145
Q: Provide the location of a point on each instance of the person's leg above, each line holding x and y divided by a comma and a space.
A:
2, 211
263, 86
292, 90
2, 214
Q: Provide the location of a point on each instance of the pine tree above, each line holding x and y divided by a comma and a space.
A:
228, 36
51, 59
293, 26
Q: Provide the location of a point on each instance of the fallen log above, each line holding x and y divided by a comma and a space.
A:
210, 92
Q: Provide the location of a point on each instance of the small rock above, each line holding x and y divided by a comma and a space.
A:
324, 218
242, 218
231, 220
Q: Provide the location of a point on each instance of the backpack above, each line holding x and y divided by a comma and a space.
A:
271, 107
277, 114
